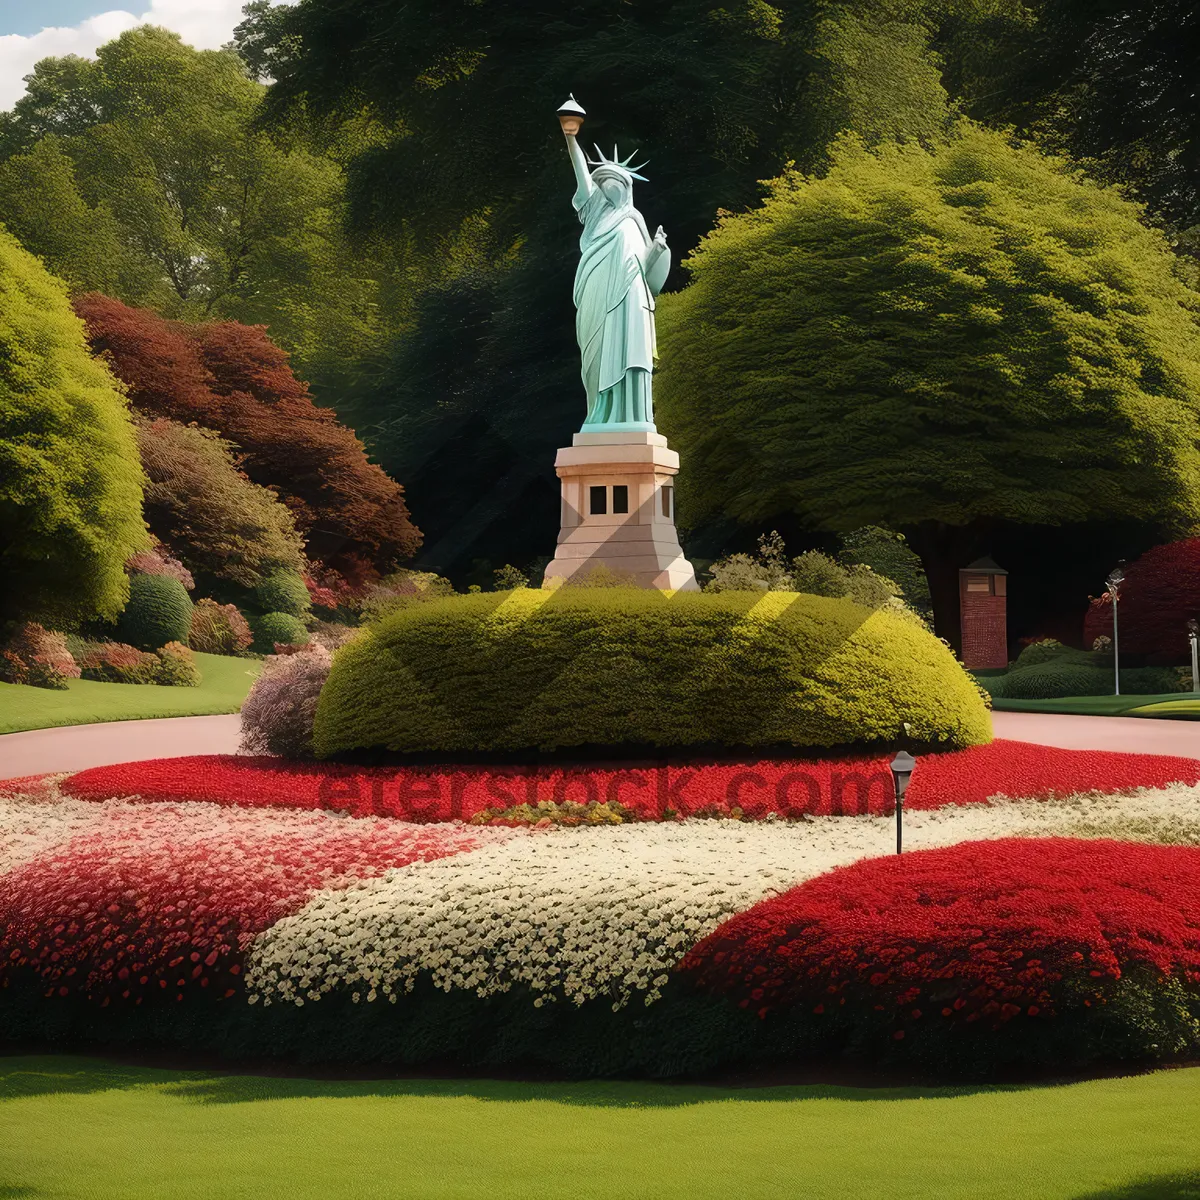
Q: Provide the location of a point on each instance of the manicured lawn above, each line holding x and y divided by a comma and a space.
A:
226, 682
74, 1127
1168, 704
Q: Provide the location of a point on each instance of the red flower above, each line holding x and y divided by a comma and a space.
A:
987, 929
789, 788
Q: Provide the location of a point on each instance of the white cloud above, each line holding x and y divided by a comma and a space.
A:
204, 24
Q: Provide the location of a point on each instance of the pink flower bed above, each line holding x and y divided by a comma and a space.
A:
646, 791
162, 899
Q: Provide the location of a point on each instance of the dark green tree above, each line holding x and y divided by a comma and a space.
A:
1110, 82
940, 341
466, 160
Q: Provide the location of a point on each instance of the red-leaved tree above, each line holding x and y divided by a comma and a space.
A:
1160, 595
232, 378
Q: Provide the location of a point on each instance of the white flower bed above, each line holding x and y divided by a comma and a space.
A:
582, 913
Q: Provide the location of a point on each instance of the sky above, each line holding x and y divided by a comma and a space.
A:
34, 29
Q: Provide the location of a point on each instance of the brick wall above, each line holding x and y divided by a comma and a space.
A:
984, 630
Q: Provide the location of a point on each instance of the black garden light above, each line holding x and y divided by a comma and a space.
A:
902, 769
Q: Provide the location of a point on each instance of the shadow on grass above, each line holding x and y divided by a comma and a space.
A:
25, 1077
1158, 1187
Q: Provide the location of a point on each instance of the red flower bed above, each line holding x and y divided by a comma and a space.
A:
978, 932
26, 785
163, 900
645, 791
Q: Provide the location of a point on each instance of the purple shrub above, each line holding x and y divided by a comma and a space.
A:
278, 715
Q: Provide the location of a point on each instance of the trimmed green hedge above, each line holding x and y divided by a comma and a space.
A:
1145, 1020
614, 667
1047, 650
159, 611
1065, 676
274, 628
283, 591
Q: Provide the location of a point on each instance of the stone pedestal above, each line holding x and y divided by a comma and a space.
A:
618, 510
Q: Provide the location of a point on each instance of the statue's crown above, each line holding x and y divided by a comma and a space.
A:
616, 164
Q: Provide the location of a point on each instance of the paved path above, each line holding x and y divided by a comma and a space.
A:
74, 747
1143, 735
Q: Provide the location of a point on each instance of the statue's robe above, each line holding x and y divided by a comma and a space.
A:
614, 317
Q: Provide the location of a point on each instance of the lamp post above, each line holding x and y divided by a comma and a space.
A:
902, 769
1116, 577
1193, 629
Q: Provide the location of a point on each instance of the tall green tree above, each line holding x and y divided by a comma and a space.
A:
142, 174
941, 341
70, 479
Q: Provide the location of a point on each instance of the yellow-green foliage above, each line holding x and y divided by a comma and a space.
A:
610, 667
70, 479
950, 333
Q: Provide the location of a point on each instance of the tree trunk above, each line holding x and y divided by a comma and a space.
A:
944, 549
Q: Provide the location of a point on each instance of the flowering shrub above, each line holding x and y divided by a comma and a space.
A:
163, 899
159, 561
277, 715
983, 933
173, 665
751, 790
37, 658
332, 634
218, 629
177, 666
1160, 594
115, 662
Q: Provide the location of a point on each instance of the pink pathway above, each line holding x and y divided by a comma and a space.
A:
1142, 735
74, 747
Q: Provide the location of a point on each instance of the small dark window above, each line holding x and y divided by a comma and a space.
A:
620, 498
666, 500
598, 501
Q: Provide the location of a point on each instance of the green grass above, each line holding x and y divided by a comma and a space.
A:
224, 687
1167, 704
88, 1130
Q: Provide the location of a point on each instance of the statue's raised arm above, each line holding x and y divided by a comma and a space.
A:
621, 269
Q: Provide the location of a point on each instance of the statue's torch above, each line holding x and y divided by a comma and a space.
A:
570, 116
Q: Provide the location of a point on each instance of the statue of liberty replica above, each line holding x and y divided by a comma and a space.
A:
621, 270
618, 507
